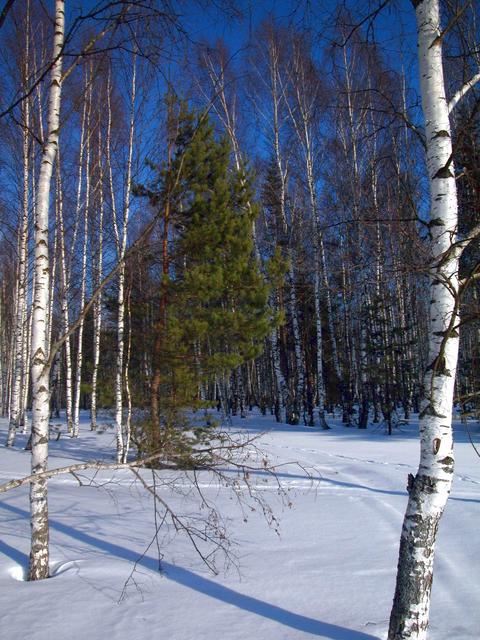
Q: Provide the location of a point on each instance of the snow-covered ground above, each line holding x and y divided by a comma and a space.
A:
330, 574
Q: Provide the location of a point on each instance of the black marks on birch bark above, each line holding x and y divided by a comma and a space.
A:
429, 410
443, 174
439, 366
441, 134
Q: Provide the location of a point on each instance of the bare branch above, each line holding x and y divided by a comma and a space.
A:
112, 26
96, 465
369, 18
463, 91
6, 8
205, 458
458, 14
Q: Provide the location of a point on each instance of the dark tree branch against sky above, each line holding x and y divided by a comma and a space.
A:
5, 9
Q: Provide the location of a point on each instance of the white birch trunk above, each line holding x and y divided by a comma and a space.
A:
282, 394
53, 274
299, 391
97, 309
66, 269
40, 375
330, 315
83, 286
64, 305
79, 361
27, 345
319, 350
9, 346
306, 89
119, 365
349, 136
20, 326
299, 397
16, 406
26, 371
2, 359
121, 241
128, 418
121, 277
319, 264
350, 360
429, 490
364, 405
318, 272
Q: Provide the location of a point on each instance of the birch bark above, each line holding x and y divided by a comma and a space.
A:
66, 269
16, 407
304, 133
40, 375
276, 95
2, 359
97, 309
64, 281
128, 393
121, 243
26, 369
349, 134
281, 386
79, 363
20, 325
430, 488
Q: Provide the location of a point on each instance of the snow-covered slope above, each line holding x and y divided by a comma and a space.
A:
330, 574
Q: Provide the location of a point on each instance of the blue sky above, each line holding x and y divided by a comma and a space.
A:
393, 28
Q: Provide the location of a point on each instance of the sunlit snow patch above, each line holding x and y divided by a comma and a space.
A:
17, 573
60, 567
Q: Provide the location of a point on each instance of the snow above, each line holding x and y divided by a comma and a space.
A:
329, 574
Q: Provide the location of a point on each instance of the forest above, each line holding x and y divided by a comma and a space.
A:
213, 209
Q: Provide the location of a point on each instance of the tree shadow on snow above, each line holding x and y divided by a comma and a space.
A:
317, 481
198, 583
17, 556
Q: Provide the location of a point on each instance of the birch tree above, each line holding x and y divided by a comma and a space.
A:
121, 236
430, 488
41, 354
16, 409
83, 285
40, 373
64, 304
350, 121
277, 96
306, 89
97, 278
